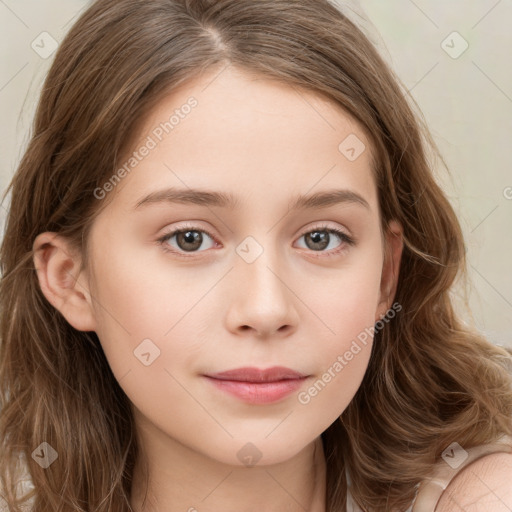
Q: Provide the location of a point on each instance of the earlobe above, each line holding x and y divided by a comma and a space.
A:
58, 272
391, 267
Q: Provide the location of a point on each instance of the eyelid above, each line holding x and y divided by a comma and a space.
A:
323, 227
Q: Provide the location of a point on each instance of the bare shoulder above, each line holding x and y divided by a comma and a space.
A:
483, 486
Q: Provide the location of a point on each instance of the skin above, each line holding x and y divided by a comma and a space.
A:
483, 486
265, 142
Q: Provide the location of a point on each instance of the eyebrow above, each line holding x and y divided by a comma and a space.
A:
317, 200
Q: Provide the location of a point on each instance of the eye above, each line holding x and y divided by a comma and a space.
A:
321, 238
187, 239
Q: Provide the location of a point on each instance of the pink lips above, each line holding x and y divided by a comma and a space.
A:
258, 386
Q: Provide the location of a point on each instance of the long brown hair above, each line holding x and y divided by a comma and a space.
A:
431, 380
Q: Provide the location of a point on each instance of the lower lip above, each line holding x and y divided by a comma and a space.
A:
258, 392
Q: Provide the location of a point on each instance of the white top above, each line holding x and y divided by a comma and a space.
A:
429, 491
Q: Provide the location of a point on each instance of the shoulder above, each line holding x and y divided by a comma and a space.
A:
482, 486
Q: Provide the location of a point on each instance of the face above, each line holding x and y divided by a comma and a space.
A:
200, 284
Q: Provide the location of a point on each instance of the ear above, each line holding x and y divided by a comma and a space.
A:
58, 271
391, 267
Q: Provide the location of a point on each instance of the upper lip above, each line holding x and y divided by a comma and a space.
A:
250, 374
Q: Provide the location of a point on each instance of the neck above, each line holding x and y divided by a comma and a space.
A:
181, 479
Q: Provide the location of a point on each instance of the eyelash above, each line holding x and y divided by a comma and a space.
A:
322, 254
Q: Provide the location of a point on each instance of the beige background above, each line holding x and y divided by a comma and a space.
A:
466, 99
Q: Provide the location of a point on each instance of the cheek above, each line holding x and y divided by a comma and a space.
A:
136, 293
346, 306
149, 316
346, 299
132, 303
343, 354
328, 395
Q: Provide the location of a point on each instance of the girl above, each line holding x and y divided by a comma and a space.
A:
226, 279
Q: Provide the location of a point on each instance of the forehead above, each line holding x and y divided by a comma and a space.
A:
250, 135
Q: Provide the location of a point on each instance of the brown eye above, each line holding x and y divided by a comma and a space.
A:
319, 239
189, 240
186, 240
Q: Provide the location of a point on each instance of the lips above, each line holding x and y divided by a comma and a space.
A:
250, 374
256, 386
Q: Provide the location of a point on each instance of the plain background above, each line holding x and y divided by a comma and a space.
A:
465, 96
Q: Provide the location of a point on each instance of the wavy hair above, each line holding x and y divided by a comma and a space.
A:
431, 378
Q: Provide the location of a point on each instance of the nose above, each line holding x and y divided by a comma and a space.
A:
262, 301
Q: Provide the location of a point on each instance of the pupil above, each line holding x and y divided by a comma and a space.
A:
190, 237
317, 237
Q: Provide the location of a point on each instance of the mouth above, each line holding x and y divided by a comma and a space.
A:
256, 386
